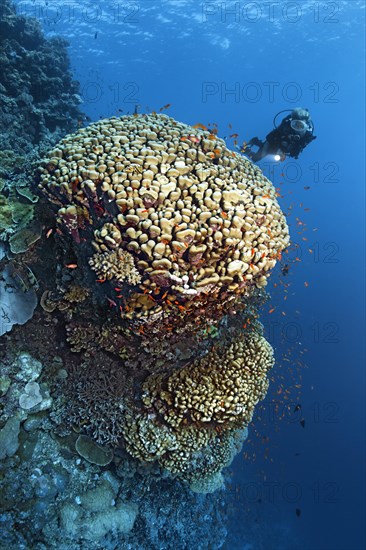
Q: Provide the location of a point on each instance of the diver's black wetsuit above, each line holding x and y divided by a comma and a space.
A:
284, 138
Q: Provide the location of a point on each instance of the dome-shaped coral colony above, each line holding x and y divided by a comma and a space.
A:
171, 231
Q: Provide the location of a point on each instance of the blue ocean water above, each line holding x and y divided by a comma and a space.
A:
236, 64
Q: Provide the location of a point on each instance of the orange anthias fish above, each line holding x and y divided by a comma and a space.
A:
199, 125
193, 139
71, 266
165, 107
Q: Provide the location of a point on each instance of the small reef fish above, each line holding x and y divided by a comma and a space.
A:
193, 139
165, 107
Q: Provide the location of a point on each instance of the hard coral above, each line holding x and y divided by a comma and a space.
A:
196, 408
172, 238
118, 265
96, 396
149, 440
38, 97
192, 454
194, 224
223, 387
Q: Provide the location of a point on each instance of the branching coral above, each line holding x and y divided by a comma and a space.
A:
97, 399
118, 265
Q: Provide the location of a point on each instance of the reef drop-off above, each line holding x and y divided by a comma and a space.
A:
148, 244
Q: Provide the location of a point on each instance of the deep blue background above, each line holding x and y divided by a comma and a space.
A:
271, 56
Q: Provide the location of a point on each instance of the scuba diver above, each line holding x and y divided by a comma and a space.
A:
288, 139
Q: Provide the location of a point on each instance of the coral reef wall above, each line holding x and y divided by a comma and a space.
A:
39, 99
134, 256
39, 103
